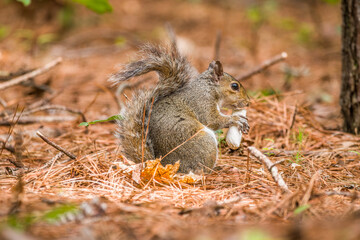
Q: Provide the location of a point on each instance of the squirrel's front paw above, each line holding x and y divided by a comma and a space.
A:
241, 122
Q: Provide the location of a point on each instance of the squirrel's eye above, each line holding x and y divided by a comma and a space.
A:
235, 86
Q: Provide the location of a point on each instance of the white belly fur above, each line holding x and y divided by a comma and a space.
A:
212, 134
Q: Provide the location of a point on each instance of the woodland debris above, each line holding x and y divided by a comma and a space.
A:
268, 63
55, 107
271, 168
37, 119
51, 143
31, 74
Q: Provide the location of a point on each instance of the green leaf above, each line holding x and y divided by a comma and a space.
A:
358, 153
254, 15
25, 2
4, 32
115, 117
301, 209
20, 223
219, 132
255, 234
54, 214
46, 38
98, 6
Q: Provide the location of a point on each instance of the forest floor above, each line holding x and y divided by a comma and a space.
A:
294, 117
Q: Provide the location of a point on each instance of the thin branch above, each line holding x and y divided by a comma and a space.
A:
293, 117
18, 147
276, 163
354, 195
16, 163
55, 107
270, 166
3, 103
11, 129
7, 147
309, 189
264, 65
37, 119
31, 74
51, 143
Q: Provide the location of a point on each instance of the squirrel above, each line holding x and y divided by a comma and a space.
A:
176, 120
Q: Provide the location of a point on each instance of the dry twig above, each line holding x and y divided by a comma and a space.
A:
31, 74
51, 143
278, 58
37, 119
270, 166
55, 107
309, 189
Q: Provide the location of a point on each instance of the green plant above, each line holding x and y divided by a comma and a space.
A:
98, 6
305, 34
4, 31
255, 234
269, 92
300, 136
52, 216
358, 153
301, 209
112, 118
25, 2
20, 223
297, 158
56, 213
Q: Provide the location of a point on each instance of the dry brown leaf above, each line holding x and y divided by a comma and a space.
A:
154, 170
190, 178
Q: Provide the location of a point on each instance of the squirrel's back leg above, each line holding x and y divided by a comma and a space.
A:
198, 154
195, 146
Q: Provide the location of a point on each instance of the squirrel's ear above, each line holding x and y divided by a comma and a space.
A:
217, 70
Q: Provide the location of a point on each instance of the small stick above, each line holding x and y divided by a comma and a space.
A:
3, 103
11, 128
293, 118
276, 163
7, 147
247, 176
272, 169
217, 46
51, 143
31, 74
37, 119
55, 107
307, 194
264, 65
18, 147
353, 195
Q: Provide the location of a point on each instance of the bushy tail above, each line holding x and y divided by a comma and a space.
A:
132, 130
173, 69
174, 72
